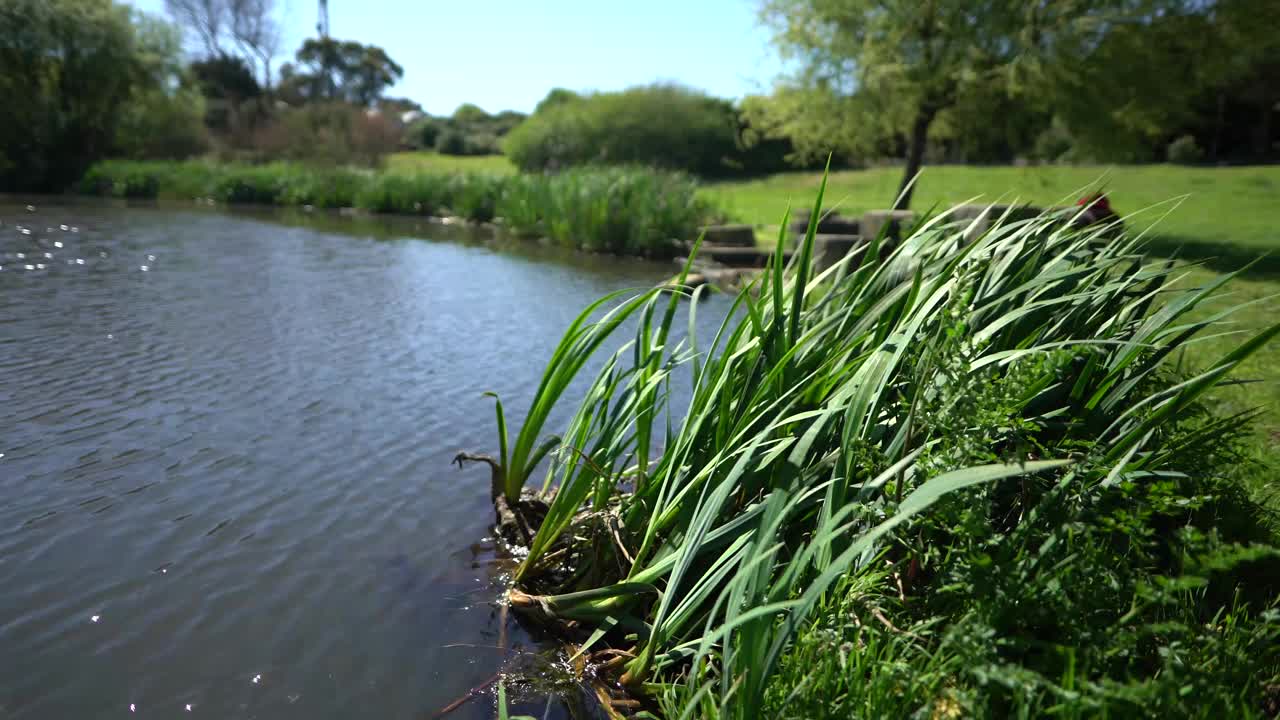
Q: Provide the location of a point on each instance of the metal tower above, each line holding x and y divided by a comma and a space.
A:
322, 22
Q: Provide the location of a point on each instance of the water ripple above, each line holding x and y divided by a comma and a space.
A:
237, 461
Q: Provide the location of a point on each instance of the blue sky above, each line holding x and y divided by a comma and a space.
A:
506, 54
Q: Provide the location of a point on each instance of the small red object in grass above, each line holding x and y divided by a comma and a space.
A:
1097, 200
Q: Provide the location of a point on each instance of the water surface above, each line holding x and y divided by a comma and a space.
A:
225, 479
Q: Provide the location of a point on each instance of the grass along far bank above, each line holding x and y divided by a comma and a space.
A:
424, 161
627, 211
1230, 213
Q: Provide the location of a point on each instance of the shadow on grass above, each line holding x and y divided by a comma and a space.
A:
1220, 256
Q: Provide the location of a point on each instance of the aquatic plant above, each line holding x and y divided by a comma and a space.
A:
963, 425
633, 211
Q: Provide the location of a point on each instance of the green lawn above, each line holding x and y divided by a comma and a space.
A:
1263, 368
1228, 211
433, 162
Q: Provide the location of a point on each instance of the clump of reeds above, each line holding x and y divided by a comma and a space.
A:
630, 211
886, 431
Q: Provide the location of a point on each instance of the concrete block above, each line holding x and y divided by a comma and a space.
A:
828, 249
736, 235
737, 256
891, 222
828, 224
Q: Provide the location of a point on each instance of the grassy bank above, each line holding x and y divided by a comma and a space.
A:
433, 162
1229, 219
1229, 213
955, 481
628, 211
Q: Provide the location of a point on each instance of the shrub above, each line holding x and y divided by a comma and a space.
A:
664, 126
262, 184
481, 143
422, 134
451, 142
1184, 151
334, 188
327, 133
123, 179
162, 125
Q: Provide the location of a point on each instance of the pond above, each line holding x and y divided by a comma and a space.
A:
225, 481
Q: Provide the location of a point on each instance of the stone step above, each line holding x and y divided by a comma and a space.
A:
829, 223
735, 235
892, 222
737, 256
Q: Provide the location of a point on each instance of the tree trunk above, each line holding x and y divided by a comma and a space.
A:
915, 155
1217, 127
1262, 135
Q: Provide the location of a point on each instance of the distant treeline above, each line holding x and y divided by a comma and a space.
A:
469, 131
85, 79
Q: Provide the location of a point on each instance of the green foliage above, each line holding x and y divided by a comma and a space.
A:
1185, 59
665, 126
1054, 144
451, 142
417, 194
988, 431
1184, 151
338, 71
876, 79
225, 78
629, 211
1117, 598
158, 125
163, 119
557, 96
469, 114
67, 70
470, 131
423, 133
632, 211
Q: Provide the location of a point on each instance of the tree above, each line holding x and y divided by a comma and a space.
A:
557, 96
206, 19
347, 71
224, 26
469, 114
372, 72
887, 69
227, 83
67, 67
256, 32
225, 78
164, 116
